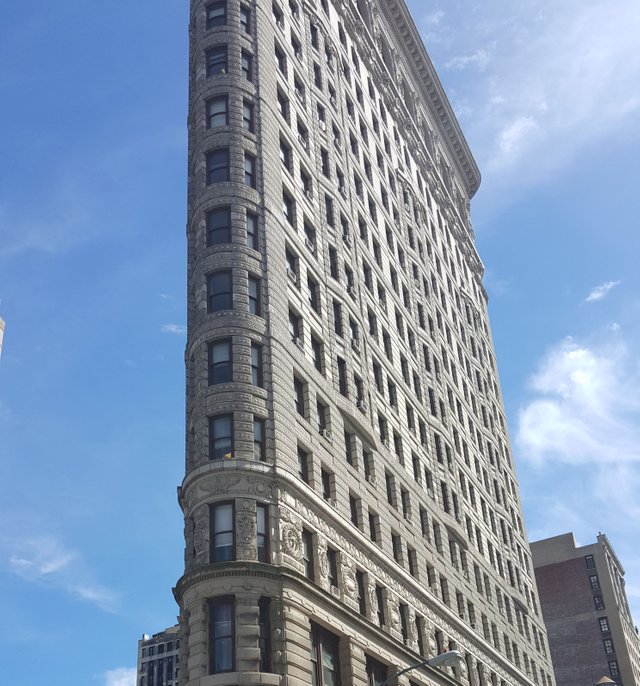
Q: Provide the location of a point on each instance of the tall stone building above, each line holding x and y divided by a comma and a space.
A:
584, 603
350, 500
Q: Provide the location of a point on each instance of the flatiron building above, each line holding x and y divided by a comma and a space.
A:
350, 501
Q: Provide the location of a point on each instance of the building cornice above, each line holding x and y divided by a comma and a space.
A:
397, 13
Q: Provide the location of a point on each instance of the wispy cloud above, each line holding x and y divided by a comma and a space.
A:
601, 292
47, 561
179, 329
480, 59
123, 676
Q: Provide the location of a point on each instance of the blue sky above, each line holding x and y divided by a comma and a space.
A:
92, 255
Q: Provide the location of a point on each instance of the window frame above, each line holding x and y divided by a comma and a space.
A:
212, 605
214, 231
217, 60
228, 376
226, 296
213, 439
214, 533
217, 166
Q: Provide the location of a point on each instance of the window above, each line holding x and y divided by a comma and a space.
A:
380, 606
218, 226
249, 170
298, 395
316, 353
604, 624
262, 528
608, 646
303, 465
332, 572
219, 291
220, 436
256, 364
325, 660
252, 231
247, 116
599, 602
313, 294
264, 633
288, 208
221, 635
614, 670
220, 361
353, 509
258, 439
362, 602
216, 59
281, 60
247, 65
255, 305
222, 533
594, 582
217, 14
245, 25
589, 561
307, 553
217, 111
376, 672
218, 166
342, 376
326, 484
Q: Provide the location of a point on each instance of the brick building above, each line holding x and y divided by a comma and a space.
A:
585, 608
350, 500
158, 659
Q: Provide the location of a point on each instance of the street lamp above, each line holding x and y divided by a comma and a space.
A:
452, 658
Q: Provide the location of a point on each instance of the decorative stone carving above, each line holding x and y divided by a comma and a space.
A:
349, 583
216, 485
201, 535
291, 540
261, 488
246, 548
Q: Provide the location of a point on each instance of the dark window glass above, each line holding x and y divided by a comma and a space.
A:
262, 532
258, 439
247, 65
220, 361
247, 116
254, 296
218, 166
220, 294
250, 170
256, 364
264, 637
252, 231
221, 436
245, 23
325, 659
307, 553
303, 465
216, 60
332, 559
216, 14
219, 226
221, 635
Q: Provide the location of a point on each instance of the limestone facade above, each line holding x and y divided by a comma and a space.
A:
350, 502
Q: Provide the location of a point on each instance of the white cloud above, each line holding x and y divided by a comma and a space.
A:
480, 59
123, 676
601, 292
557, 77
45, 560
179, 329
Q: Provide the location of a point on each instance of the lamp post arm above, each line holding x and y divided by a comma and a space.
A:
404, 671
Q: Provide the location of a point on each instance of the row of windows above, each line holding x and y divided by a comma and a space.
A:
221, 437
220, 292
218, 169
216, 15
220, 353
219, 227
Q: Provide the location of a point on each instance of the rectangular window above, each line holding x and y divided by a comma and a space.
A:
217, 111
258, 439
332, 566
380, 606
614, 670
255, 305
247, 116
219, 291
589, 561
222, 533
604, 624
218, 226
245, 19
599, 602
256, 365
608, 646
220, 361
252, 231
217, 166
313, 294
221, 436
362, 603
594, 582
303, 465
221, 635
262, 532
376, 672
217, 14
247, 65
264, 633
325, 660
298, 396
307, 553
249, 170
216, 59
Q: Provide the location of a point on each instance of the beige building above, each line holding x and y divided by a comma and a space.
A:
350, 500
584, 603
158, 658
